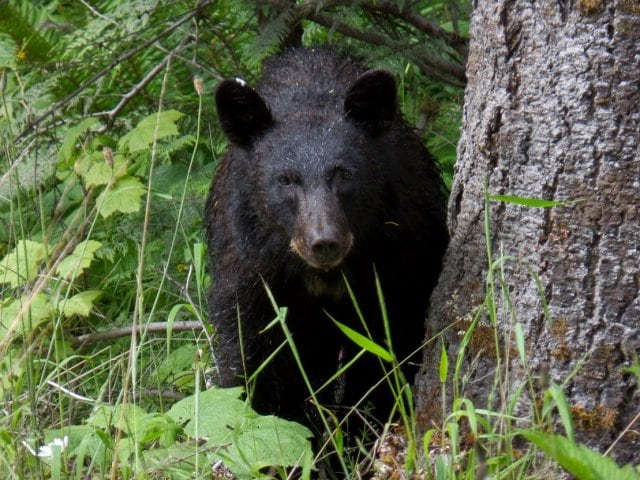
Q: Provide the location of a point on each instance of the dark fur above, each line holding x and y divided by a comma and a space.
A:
334, 168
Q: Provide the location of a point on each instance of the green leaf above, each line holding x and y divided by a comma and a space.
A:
80, 304
529, 202
218, 411
8, 51
578, 460
154, 126
177, 366
126, 417
267, 441
71, 136
77, 262
563, 408
123, 197
20, 265
39, 310
364, 342
443, 369
101, 173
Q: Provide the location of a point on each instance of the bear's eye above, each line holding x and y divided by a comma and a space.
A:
343, 174
285, 180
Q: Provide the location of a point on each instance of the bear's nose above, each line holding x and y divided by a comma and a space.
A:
326, 251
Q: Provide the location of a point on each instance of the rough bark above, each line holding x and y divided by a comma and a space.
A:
552, 110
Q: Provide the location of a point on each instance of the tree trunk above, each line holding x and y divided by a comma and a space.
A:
552, 111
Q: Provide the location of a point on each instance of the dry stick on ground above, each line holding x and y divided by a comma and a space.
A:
153, 327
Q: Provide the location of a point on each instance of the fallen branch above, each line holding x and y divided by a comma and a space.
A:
153, 327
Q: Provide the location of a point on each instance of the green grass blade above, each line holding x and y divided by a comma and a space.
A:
578, 460
364, 342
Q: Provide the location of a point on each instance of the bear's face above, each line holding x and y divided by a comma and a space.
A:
314, 167
311, 187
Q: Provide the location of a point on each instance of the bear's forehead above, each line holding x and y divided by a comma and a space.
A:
298, 141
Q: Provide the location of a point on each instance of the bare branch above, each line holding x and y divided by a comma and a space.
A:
448, 71
125, 56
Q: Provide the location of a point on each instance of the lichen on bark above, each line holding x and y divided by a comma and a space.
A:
552, 110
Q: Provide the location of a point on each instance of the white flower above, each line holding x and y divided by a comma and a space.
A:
46, 451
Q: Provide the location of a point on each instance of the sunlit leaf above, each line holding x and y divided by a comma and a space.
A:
155, 126
123, 197
80, 304
79, 260
39, 309
20, 265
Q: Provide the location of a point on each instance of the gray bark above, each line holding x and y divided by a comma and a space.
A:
552, 111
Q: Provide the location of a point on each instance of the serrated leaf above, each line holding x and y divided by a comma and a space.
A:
20, 265
578, 460
78, 261
219, 410
364, 342
39, 309
80, 304
123, 197
101, 173
67, 149
154, 126
268, 441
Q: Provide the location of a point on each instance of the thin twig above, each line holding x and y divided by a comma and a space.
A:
126, 98
125, 56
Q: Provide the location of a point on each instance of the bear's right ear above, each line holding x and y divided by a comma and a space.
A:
371, 101
243, 114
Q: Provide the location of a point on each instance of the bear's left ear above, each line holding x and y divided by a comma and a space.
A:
371, 101
243, 113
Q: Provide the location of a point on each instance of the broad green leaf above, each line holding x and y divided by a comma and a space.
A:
39, 309
20, 265
578, 460
71, 136
267, 441
123, 197
101, 173
155, 125
364, 342
529, 202
78, 261
80, 304
219, 410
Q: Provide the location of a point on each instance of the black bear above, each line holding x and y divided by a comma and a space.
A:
323, 188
